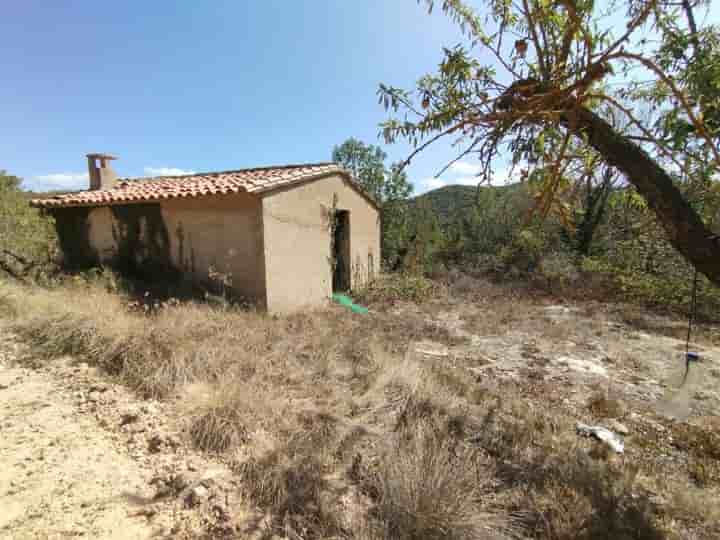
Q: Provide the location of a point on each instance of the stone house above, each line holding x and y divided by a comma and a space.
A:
281, 237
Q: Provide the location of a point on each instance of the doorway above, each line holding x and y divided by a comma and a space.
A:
341, 252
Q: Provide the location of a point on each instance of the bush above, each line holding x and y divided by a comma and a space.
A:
290, 483
219, 429
392, 288
426, 487
28, 244
526, 250
670, 290
558, 270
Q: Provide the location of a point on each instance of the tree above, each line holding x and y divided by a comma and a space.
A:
389, 186
365, 162
558, 78
27, 238
594, 194
424, 239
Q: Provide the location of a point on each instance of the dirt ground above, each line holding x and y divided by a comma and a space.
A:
82, 458
626, 351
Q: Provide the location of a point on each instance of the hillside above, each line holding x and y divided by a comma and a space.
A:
448, 201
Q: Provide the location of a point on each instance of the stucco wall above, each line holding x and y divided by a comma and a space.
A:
297, 242
193, 235
222, 232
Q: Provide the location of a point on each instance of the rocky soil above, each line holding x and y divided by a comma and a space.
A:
81, 457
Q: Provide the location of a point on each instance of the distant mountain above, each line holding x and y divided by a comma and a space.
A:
448, 201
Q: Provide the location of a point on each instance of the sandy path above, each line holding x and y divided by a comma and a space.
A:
61, 476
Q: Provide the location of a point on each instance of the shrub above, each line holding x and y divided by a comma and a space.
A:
525, 251
218, 429
289, 482
392, 288
604, 406
28, 243
558, 271
425, 487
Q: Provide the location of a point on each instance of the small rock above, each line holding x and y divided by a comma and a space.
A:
197, 495
179, 482
171, 485
155, 443
149, 408
211, 474
136, 428
602, 434
129, 415
619, 427
221, 511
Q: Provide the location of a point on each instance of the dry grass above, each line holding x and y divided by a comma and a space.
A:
218, 429
289, 483
316, 410
602, 405
426, 486
154, 354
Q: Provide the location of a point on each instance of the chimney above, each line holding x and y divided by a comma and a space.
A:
101, 174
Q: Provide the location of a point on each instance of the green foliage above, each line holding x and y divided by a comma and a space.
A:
366, 162
388, 185
448, 201
24, 231
591, 210
526, 249
634, 253
424, 240
558, 271
538, 78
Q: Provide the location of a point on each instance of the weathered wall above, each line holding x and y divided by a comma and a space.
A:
224, 233
298, 269
180, 237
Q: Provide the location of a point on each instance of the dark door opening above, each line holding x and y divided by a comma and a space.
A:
341, 252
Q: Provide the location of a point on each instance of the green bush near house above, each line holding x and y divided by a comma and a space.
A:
28, 243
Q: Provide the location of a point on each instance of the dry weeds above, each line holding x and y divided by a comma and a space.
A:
317, 410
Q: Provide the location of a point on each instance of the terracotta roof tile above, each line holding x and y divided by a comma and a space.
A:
256, 180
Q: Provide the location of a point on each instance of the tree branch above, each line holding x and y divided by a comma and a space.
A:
698, 124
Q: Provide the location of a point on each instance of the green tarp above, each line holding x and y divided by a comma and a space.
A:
346, 301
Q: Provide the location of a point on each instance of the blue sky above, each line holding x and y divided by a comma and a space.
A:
202, 86
183, 86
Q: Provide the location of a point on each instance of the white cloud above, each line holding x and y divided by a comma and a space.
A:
166, 171
465, 174
60, 181
426, 184
507, 175
465, 168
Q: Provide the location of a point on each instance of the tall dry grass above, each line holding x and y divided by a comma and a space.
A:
336, 429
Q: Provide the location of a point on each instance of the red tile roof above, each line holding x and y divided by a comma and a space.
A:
257, 180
